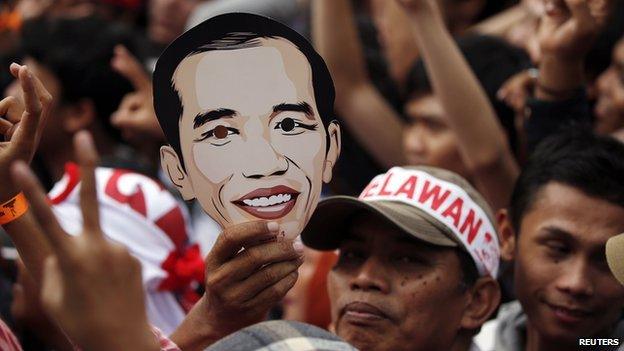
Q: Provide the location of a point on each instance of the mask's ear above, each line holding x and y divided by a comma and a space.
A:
507, 235
172, 166
333, 130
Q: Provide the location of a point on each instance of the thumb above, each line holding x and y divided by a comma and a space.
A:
127, 65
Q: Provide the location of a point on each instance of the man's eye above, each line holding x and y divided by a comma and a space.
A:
347, 257
409, 260
557, 249
290, 126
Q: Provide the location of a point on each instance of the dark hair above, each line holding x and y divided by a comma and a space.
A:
470, 273
493, 61
588, 162
78, 51
230, 32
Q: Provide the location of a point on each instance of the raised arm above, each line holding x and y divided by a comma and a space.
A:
91, 287
482, 143
22, 126
362, 108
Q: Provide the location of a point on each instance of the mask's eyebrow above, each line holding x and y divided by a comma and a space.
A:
302, 107
205, 117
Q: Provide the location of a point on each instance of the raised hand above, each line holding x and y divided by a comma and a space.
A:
21, 125
91, 287
248, 271
568, 27
135, 116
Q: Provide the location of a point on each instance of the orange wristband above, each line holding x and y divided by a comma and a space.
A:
13, 209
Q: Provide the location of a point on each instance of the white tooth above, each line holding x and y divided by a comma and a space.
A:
279, 198
255, 202
286, 197
263, 201
247, 202
272, 200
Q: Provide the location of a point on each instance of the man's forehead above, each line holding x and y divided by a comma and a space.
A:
562, 209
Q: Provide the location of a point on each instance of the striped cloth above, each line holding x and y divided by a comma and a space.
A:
281, 335
8, 341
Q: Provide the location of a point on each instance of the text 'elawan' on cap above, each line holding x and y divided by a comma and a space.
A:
431, 204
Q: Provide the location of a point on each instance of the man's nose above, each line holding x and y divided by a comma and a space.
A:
413, 141
263, 160
576, 279
370, 277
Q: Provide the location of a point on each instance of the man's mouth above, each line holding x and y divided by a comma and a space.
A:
570, 314
361, 313
268, 203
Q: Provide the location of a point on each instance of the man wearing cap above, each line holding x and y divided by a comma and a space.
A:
418, 259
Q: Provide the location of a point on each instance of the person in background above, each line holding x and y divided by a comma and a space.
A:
477, 136
555, 232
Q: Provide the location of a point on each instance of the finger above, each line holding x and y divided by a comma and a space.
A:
29, 123
14, 68
5, 127
251, 259
52, 287
87, 159
128, 66
234, 238
10, 109
581, 12
26, 180
262, 280
273, 294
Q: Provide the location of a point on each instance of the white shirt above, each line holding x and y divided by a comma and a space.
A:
140, 214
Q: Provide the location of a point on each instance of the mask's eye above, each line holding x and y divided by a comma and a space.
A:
287, 124
220, 134
290, 126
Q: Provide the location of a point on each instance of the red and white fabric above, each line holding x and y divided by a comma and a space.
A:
140, 214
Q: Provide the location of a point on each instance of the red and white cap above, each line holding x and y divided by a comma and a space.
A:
434, 205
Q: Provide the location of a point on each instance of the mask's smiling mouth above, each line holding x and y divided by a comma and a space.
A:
268, 203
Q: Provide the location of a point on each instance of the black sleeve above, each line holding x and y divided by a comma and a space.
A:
546, 118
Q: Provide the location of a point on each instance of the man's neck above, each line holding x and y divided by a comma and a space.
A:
537, 342
463, 341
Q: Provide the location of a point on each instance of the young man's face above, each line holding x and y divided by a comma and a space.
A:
252, 139
390, 291
609, 109
428, 140
561, 275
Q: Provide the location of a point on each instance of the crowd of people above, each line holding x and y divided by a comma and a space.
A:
468, 156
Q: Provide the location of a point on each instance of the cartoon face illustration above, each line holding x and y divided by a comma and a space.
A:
253, 139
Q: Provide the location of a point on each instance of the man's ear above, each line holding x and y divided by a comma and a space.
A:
335, 143
78, 116
171, 165
484, 299
507, 235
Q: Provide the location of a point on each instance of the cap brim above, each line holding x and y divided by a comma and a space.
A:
327, 227
615, 256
